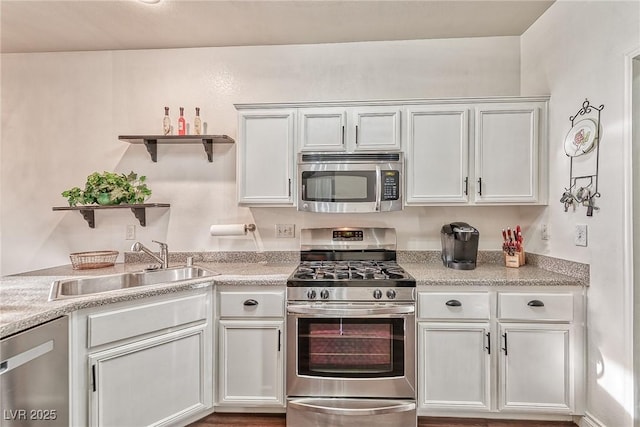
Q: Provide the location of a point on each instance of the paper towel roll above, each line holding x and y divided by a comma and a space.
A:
228, 230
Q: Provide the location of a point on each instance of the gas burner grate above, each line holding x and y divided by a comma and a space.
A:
349, 270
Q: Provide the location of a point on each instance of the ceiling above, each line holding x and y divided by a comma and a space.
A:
88, 25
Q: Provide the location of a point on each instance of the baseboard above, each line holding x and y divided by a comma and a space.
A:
590, 421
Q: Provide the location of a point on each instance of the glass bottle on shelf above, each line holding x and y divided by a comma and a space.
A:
166, 122
182, 124
197, 123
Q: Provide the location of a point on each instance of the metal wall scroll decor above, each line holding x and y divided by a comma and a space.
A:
583, 138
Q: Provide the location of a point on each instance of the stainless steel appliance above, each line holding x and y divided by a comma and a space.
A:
459, 245
350, 182
350, 331
34, 377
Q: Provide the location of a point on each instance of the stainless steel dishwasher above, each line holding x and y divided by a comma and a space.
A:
34, 376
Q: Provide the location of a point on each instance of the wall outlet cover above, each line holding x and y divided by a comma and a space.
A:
286, 231
580, 238
130, 232
544, 232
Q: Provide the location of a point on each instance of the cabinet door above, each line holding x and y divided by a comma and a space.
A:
150, 383
251, 363
454, 366
322, 129
375, 128
506, 151
535, 367
265, 157
437, 141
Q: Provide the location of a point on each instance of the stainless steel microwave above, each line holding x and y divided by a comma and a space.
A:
350, 182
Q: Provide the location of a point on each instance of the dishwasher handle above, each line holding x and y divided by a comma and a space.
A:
19, 359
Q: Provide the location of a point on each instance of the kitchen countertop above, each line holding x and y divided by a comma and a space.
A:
24, 297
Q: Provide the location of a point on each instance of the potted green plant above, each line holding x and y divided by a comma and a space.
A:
109, 188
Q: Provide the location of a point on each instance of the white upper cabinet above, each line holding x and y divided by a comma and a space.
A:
476, 152
437, 142
506, 144
265, 157
362, 128
490, 151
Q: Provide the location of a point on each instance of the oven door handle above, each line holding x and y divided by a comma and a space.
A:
362, 406
350, 311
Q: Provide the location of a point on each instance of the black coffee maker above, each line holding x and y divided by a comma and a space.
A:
459, 245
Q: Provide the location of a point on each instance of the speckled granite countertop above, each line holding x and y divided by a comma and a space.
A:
24, 298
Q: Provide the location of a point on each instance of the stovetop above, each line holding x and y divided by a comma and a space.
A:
350, 273
349, 264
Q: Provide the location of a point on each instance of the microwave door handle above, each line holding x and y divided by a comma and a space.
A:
378, 188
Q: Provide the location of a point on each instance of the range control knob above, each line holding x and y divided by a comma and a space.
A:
391, 293
324, 294
311, 294
377, 294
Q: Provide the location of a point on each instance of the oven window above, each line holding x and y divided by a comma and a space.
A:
339, 186
351, 348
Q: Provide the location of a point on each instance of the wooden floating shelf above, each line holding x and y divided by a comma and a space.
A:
88, 211
151, 142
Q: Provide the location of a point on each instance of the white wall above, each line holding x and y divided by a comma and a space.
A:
576, 50
62, 114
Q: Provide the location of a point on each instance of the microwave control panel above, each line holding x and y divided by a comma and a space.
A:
390, 185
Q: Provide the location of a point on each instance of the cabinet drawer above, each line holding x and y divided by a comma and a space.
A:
139, 320
535, 306
453, 305
251, 304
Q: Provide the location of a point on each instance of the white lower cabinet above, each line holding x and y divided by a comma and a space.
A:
251, 368
454, 365
250, 348
494, 352
148, 383
143, 363
535, 367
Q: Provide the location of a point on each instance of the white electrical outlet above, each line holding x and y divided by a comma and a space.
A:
286, 231
130, 232
544, 232
581, 235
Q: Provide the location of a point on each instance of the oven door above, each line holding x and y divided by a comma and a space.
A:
351, 350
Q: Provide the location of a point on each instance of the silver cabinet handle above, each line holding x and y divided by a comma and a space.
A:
364, 407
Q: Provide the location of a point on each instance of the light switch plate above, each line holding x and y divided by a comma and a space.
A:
580, 238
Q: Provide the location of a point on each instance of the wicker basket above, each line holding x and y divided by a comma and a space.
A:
96, 259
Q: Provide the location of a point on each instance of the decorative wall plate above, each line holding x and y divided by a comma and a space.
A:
581, 138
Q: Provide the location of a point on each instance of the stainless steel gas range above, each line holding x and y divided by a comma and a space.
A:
350, 331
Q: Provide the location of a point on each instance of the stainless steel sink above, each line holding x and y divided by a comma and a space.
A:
69, 288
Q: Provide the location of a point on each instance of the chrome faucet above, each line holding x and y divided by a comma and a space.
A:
163, 259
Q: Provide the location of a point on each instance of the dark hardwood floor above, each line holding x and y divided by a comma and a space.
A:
278, 420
